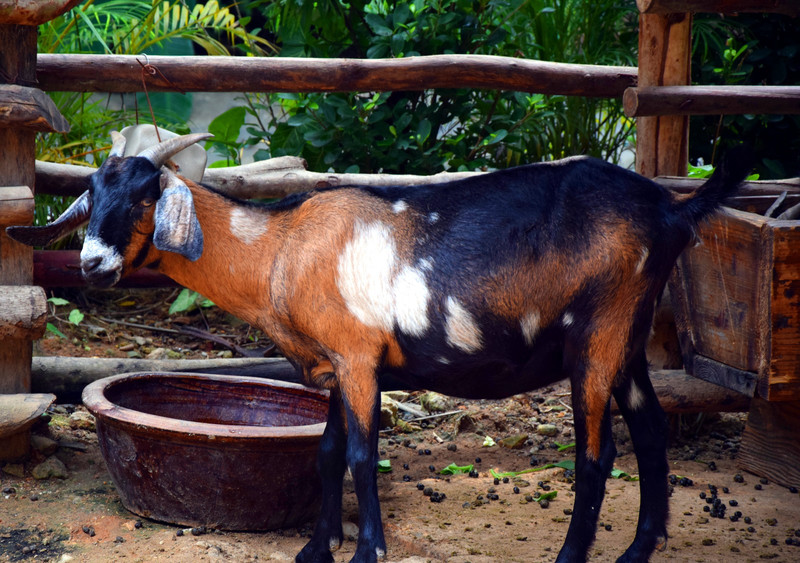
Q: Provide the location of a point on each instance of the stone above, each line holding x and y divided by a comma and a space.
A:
547, 430
44, 445
51, 467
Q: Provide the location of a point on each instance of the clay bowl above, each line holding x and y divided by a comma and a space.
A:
232, 453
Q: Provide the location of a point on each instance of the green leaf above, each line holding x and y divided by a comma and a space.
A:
185, 301
75, 317
58, 301
452, 469
563, 447
384, 466
488, 442
226, 126
52, 328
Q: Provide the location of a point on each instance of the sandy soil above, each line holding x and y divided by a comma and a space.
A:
80, 518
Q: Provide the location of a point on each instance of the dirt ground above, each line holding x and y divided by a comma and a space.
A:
78, 516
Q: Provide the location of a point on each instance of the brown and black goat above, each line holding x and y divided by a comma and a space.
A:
482, 288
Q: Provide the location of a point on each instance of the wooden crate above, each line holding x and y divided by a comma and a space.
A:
736, 297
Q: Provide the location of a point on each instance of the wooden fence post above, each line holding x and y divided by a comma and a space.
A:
662, 142
23, 110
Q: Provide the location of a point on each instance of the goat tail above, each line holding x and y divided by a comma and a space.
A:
723, 184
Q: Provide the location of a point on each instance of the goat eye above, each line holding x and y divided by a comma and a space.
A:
147, 202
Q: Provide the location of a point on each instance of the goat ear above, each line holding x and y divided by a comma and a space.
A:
177, 228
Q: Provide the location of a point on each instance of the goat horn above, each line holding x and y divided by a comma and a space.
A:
75, 216
162, 152
118, 146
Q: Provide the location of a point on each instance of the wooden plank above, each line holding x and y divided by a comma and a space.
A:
16, 206
771, 441
722, 281
781, 380
122, 73
662, 142
23, 312
30, 108
725, 376
711, 100
788, 7
33, 12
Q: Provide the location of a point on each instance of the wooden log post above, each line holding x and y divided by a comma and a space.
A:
24, 110
17, 157
662, 142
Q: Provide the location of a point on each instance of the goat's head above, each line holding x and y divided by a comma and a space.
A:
134, 204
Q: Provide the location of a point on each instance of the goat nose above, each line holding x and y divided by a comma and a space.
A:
90, 264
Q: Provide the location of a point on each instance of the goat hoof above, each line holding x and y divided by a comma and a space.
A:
312, 553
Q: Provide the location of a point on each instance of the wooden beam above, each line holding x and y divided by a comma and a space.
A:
276, 177
62, 268
711, 100
30, 108
120, 73
23, 312
33, 12
771, 441
788, 7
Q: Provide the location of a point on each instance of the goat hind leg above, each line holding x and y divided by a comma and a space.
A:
362, 405
648, 429
590, 477
331, 465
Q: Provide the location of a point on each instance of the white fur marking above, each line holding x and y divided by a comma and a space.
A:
635, 397
247, 225
433, 217
567, 319
376, 289
530, 326
411, 297
95, 248
642, 260
399, 206
460, 327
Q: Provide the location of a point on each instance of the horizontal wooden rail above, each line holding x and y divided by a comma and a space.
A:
275, 177
711, 100
122, 73
62, 268
787, 7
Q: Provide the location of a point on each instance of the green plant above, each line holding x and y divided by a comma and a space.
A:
188, 300
423, 132
130, 27
747, 49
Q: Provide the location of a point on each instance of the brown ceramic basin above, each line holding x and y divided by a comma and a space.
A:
233, 453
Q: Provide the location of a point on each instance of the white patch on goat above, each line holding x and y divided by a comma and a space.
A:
399, 206
645, 253
530, 326
377, 290
247, 225
460, 327
110, 259
567, 319
635, 397
433, 217
411, 296
425, 264
443, 360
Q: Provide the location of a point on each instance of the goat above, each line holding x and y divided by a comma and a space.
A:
483, 287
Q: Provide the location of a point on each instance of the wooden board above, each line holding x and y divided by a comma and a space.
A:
738, 300
771, 441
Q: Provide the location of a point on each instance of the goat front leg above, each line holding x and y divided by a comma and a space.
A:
647, 425
328, 534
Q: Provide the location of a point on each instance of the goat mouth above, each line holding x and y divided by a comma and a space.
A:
103, 279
